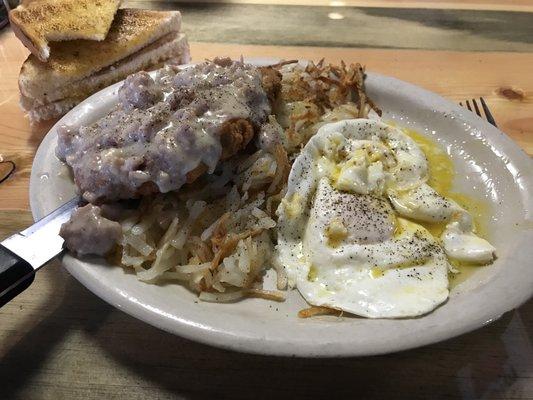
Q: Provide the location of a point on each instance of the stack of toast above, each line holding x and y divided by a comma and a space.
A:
80, 47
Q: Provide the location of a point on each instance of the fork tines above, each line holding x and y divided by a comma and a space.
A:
488, 115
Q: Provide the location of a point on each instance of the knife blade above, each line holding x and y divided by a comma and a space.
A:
23, 253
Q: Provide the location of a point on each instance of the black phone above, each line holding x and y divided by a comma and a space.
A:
3, 16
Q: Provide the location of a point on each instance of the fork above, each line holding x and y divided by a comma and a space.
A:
488, 115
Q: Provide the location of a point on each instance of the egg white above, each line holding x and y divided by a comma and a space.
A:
372, 271
339, 235
458, 239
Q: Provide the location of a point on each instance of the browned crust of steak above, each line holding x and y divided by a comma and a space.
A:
235, 136
271, 82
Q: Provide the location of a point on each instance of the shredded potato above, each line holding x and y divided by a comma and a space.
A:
217, 245
316, 93
315, 311
217, 235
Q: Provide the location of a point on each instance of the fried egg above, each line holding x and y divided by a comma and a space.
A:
347, 231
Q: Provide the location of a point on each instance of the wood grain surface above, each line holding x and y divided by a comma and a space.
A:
58, 341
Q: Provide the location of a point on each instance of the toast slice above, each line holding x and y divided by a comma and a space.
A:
74, 60
40, 22
52, 110
172, 47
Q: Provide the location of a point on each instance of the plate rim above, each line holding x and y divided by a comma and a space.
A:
255, 345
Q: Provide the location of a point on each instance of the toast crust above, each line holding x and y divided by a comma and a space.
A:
38, 23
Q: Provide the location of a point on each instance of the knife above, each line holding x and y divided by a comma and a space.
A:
22, 254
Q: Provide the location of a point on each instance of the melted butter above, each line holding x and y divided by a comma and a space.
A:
465, 272
441, 175
329, 168
312, 275
441, 169
376, 273
336, 232
292, 205
478, 209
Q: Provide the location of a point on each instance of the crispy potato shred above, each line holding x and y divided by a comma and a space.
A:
328, 86
315, 311
216, 236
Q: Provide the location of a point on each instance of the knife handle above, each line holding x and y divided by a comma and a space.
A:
16, 274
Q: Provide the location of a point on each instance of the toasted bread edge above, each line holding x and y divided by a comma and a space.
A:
40, 50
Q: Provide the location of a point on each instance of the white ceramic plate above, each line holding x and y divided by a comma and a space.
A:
489, 166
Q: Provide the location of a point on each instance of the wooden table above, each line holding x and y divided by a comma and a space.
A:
58, 341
